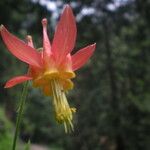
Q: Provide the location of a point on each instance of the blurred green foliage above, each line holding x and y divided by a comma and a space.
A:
111, 92
5, 131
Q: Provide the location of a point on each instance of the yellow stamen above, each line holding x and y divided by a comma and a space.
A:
63, 112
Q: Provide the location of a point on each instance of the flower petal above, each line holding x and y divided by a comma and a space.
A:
19, 49
16, 80
81, 57
65, 34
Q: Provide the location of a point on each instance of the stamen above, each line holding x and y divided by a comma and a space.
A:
63, 112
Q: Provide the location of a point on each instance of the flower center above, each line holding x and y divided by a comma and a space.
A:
63, 112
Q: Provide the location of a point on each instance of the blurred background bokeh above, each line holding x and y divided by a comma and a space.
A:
112, 91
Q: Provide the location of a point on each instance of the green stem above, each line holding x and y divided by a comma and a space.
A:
20, 111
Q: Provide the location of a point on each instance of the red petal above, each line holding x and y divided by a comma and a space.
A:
16, 80
81, 57
65, 34
19, 49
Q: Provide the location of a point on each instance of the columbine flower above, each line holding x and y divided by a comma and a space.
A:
51, 68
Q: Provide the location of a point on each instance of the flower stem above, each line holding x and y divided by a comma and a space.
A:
20, 112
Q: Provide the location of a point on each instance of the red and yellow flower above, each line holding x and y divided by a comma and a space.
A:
52, 67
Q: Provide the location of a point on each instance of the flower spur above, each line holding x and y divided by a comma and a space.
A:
52, 67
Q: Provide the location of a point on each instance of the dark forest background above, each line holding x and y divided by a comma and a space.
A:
112, 91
